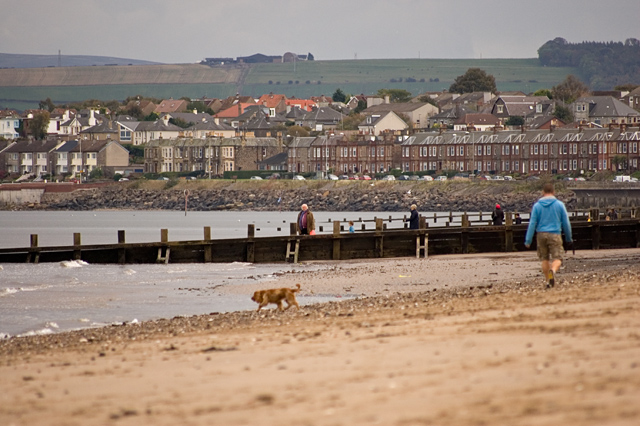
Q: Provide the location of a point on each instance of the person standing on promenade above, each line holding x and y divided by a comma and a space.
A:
497, 216
549, 219
306, 223
352, 230
414, 219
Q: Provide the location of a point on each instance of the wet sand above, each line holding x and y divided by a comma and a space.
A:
456, 340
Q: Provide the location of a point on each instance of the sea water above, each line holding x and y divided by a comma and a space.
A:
53, 297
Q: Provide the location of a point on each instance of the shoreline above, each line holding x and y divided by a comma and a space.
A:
496, 350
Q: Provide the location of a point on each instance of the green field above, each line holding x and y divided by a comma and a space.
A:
302, 80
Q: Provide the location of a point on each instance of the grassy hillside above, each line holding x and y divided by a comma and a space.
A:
21, 88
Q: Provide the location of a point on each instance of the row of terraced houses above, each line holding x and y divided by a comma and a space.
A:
564, 151
504, 152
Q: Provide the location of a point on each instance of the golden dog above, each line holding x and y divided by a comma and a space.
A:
277, 295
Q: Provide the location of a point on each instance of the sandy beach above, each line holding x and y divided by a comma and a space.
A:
455, 340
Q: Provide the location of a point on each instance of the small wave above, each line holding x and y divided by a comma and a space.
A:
40, 332
8, 291
129, 272
4, 336
73, 263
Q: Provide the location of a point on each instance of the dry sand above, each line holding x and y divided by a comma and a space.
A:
455, 340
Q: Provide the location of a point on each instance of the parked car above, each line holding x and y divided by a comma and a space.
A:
123, 179
580, 179
344, 177
275, 176
365, 177
190, 178
256, 178
403, 177
163, 178
298, 177
426, 178
332, 177
414, 177
441, 178
509, 178
389, 177
498, 178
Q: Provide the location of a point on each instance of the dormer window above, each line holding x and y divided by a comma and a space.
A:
500, 109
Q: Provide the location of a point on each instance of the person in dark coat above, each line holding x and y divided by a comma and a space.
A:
414, 219
306, 222
497, 216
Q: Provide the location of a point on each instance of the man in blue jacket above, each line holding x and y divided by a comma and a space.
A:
549, 219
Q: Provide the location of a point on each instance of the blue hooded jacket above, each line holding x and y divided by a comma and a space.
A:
549, 215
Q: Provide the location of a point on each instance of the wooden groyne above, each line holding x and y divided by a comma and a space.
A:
590, 231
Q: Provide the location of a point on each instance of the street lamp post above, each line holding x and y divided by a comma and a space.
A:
473, 152
326, 157
81, 159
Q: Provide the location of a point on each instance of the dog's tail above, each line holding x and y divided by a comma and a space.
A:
295, 290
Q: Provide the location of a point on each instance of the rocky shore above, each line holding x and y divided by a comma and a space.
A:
285, 195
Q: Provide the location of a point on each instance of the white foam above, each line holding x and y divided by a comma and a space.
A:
130, 272
40, 332
8, 291
73, 263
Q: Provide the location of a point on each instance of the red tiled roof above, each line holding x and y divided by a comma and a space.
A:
232, 112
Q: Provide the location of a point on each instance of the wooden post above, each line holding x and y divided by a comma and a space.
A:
464, 221
164, 238
423, 222
508, 219
251, 245
293, 228
336, 240
34, 254
77, 253
595, 236
450, 216
379, 238
435, 218
208, 255
122, 253
464, 234
508, 238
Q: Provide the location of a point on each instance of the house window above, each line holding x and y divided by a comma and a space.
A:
500, 109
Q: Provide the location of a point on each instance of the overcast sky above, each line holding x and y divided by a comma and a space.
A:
186, 31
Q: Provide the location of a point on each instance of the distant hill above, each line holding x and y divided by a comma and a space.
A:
25, 88
10, 60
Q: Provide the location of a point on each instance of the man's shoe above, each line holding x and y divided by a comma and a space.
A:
551, 278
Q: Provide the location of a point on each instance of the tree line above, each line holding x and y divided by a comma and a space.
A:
602, 65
